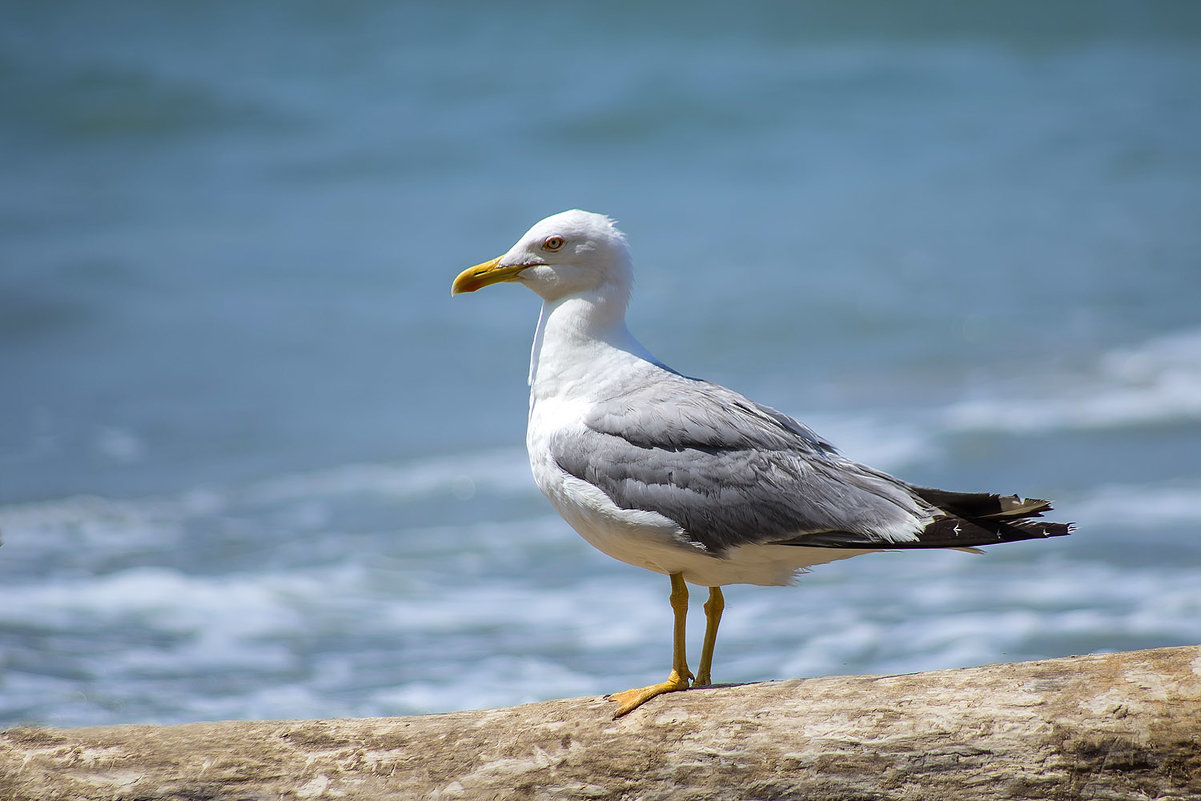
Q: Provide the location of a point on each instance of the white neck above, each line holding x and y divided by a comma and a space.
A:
576, 340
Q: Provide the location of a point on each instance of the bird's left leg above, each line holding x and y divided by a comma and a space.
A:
678, 679
713, 609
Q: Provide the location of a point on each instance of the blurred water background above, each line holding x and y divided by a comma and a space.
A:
256, 463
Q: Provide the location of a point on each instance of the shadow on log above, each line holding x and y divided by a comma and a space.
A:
1115, 726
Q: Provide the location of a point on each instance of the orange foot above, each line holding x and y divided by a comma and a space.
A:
630, 700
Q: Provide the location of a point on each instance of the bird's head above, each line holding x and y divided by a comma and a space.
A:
570, 253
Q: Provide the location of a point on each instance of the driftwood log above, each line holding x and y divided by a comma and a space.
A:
1115, 726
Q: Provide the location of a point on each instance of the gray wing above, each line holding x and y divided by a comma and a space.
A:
732, 472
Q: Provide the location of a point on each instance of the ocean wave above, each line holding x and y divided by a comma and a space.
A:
1158, 381
162, 600
1147, 506
498, 616
301, 500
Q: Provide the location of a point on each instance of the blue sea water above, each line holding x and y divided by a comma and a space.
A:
256, 463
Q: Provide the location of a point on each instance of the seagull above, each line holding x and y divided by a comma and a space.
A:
686, 477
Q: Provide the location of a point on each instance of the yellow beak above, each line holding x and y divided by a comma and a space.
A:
481, 275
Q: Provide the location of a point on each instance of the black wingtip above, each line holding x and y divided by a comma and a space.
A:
948, 531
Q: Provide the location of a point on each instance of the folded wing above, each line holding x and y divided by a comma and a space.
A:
732, 472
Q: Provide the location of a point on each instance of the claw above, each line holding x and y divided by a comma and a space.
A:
629, 700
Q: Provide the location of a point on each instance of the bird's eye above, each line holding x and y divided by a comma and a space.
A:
552, 243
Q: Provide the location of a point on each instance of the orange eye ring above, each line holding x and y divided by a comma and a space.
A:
553, 243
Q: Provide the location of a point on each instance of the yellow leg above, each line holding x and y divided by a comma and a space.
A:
678, 679
713, 609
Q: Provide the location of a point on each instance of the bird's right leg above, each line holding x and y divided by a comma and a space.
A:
678, 679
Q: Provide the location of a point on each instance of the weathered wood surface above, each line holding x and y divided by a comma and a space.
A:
1116, 726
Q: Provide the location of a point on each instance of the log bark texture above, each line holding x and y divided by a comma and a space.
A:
1115, 726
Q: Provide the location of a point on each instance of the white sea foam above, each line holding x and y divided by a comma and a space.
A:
335, 640
90, 521
901, 614
1155, 382
163, 600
